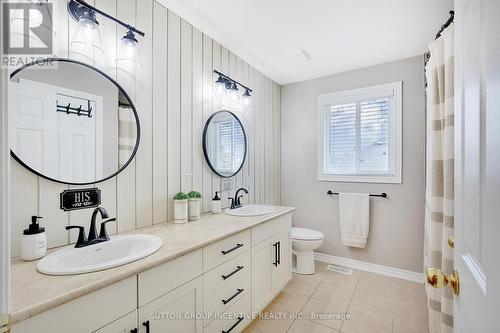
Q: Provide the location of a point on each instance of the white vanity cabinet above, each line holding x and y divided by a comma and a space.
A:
212, 289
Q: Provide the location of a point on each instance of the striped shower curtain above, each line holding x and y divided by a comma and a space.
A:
440, 177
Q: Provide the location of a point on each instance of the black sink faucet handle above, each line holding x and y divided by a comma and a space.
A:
103, 234
82, 239
233, 206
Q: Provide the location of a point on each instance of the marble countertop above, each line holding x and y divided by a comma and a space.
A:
33, 293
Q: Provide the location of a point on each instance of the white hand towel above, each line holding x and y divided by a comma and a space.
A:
354, 211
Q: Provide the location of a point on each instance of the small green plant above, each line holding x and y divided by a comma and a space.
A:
194, 195
180, 196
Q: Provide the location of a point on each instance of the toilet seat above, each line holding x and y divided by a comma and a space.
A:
306, 234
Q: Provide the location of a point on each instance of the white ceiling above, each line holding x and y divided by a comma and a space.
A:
296, 40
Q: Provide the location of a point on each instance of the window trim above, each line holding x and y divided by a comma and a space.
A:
355, 95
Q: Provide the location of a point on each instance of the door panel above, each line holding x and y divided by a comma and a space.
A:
283, 272
262, 274
171, 312
123, 325
477, 165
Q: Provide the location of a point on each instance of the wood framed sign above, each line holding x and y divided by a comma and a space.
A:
80, 199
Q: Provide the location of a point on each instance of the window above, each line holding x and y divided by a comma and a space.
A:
360, 135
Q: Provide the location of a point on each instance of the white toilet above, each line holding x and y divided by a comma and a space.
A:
304, 242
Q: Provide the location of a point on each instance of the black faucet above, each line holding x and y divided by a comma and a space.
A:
93, 238
93, 230
236, 201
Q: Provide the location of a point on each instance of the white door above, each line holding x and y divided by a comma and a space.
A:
174, 312
41, 136
282, 272
477, 165
263, 257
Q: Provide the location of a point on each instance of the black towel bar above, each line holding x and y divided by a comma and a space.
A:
381, 195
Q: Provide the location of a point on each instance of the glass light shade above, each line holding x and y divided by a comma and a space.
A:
246, 98
233, 93
87, 34
220, 86
128, 54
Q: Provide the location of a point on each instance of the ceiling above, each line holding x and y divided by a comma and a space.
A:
296, 40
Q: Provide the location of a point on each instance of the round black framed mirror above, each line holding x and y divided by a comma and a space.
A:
71, 123
224, 143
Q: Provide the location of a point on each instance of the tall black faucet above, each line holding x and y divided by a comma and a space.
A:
237, 197
93, 229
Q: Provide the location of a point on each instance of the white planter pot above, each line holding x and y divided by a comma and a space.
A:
181, 211
194, 209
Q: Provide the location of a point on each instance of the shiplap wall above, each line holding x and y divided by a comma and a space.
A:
173, 96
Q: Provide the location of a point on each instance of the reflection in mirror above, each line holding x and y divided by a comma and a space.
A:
70, 123
224, 143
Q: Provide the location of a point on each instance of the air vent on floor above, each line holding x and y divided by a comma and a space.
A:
339, 269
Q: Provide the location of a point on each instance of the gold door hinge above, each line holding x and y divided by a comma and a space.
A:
5, 323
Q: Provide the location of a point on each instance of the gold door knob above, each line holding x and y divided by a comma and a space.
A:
437, 279
451, 242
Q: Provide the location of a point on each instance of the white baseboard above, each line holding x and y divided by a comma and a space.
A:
369, 267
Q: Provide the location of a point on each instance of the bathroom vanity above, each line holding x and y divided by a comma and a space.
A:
209, 276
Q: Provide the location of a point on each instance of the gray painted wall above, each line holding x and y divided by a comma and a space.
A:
397, 223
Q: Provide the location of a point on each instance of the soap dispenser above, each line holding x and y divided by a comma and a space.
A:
216, 204
34, 241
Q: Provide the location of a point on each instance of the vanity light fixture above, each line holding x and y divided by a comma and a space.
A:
246, 97
220, 86
87, 31
225, 84
233, 92
129, 50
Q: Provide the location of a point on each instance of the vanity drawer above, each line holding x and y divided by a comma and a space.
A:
214, 280
283, 224
228, 248
87, 313
160, 280
241, 309
226, 296
262, 232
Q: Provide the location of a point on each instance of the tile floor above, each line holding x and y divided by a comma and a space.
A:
329, 302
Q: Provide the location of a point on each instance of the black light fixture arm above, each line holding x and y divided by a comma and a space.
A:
100, 12
232, 80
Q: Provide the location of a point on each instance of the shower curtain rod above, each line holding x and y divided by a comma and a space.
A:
446, 24
443, 27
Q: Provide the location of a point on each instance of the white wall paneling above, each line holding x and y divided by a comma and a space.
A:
173, 95
160, 147
144, 105
126, 183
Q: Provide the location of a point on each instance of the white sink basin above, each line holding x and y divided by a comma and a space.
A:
250, 210
119, 250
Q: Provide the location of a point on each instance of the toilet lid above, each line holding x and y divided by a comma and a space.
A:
306, 234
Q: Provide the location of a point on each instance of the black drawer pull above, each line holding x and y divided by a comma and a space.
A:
279, 253
238, 268
146, 324
224, 252
225, 301
240, 319
275, 263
